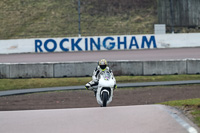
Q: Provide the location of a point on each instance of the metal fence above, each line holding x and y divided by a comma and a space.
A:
180, 13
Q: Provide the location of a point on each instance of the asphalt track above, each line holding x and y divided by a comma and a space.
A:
142, 119
141, 55
125, 119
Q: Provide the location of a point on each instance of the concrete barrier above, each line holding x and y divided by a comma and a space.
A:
83, 69
193, 66
164, 67
127, 67
38, 70
76, 69
4, 71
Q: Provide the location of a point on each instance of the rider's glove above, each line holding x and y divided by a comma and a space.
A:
115, 87
88, 86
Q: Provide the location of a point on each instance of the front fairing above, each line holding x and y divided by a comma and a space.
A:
106, 81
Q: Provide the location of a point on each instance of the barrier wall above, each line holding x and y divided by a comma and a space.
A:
4, 71
82, 69
127, 67
164, 67
193, 67
96, 43
78, 69
31, 70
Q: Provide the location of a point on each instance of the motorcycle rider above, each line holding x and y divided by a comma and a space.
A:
102, 66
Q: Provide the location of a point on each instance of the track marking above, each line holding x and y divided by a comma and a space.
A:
183, 123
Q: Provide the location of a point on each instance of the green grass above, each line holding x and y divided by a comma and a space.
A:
47, 18
124, 79
51, 18
12, 84
190, 102
193, 105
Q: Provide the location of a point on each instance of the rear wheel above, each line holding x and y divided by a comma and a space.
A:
104, 98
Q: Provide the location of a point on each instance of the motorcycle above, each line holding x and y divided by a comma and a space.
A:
104, 91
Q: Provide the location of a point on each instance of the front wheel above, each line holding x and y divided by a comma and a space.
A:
104, 98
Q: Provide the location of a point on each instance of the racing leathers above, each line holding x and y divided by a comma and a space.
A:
96, 76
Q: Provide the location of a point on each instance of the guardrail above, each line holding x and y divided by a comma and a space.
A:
82, 69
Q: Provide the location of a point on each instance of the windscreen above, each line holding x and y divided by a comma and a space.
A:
106, 75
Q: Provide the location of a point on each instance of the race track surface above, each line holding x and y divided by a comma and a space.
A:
117, 118
126, 119
142, 55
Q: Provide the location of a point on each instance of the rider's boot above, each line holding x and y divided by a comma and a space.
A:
95, 93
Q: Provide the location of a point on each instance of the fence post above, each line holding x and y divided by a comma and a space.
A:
79, 19
172, 16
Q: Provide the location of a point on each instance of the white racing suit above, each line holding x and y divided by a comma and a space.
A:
96, 76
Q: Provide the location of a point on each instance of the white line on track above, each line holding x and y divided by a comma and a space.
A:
182, 122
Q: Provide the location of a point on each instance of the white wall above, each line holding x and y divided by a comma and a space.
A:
121, 42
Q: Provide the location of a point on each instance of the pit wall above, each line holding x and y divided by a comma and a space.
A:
98, 43
83, 69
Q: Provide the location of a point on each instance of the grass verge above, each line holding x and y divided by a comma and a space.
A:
14, 84
191, 106
47, 18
